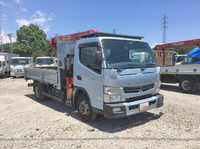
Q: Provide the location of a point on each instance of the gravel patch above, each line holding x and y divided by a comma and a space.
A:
26, 123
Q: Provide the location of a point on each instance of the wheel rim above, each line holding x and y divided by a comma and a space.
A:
186, 85
84, 107
37, 91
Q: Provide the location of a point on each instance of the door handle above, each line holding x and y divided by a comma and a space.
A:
79, 77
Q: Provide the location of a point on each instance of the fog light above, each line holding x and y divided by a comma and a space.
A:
116, 109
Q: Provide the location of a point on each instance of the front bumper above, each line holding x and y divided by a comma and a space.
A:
131, 108
16, 74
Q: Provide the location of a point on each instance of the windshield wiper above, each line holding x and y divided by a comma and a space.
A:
109, 62
150, 64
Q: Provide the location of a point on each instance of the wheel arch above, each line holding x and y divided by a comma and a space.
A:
186, 76
77, 92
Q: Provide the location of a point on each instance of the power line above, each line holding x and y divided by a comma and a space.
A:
164, 27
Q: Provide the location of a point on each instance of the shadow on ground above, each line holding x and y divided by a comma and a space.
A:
102, 124
174, 88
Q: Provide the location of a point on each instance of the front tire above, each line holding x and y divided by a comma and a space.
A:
187, 85
38, 92
84, 109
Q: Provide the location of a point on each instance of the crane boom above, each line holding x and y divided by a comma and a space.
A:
69, 37
178, 44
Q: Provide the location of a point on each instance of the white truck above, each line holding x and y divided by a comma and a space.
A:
96, 75
188, 76
46, 61
5, 63
17, 65
179, 58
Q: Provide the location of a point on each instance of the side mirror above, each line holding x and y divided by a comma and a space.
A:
98, 57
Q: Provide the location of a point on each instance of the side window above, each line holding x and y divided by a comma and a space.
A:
195, 60
87, 58
4, 63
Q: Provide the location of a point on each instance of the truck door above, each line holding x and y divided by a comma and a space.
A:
88, 75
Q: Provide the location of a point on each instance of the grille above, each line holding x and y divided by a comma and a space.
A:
19, 70
138, 98
138, 89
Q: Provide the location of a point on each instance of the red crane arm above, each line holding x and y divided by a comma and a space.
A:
177, 44
69, 37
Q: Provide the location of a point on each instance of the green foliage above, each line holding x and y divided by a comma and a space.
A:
31, 42
6, 48
185, 49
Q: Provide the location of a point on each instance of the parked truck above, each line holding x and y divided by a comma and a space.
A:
96, 75
5, 63
179, 58
46, 61
188, 76
17, 65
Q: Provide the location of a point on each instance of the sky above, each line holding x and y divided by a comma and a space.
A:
131, 17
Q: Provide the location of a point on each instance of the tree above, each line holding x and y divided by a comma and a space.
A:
185, 49
31, 41
6, 48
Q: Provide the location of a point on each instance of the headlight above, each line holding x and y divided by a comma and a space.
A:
115, 98
112, 94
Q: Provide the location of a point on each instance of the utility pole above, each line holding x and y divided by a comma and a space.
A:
164, 26
1, 19
114, 31
10, 37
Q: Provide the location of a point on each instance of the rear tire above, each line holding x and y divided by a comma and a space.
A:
38, 92
84, 109
187, 85
5, 75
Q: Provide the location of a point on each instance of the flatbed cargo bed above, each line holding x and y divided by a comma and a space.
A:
181, 69
47, 75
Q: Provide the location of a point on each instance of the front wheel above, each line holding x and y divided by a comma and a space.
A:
187, 85
84, 109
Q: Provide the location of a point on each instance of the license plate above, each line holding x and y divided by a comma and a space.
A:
144, 106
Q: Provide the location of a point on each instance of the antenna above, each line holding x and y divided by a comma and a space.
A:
164, 26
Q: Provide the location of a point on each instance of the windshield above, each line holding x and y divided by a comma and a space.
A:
179, 58
187, 59
44, 61
127, 54
20, 61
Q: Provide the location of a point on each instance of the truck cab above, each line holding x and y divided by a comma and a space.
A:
2, 66
193, 57
45, 61
5, 63
118, 84
179, 59
17, 65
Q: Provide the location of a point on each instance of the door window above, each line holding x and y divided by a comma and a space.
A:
87, 58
